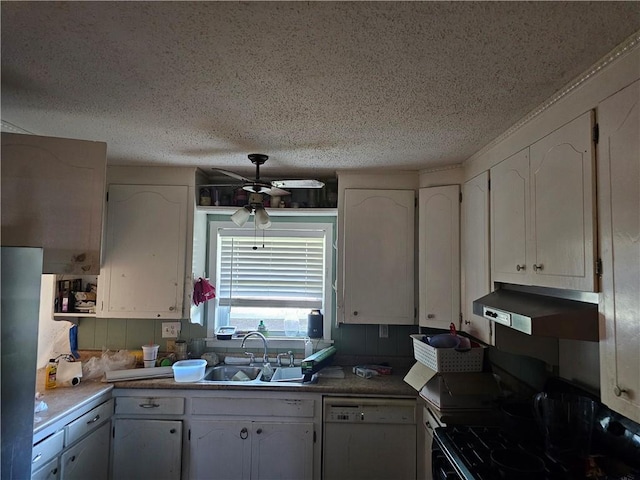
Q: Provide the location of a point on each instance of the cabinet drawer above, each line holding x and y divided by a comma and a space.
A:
46, 449
88, 422
149, 406
253, 406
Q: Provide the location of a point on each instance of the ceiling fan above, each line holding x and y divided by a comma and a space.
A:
257, 188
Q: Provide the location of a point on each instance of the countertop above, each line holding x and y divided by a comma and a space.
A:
380, 385
63, 401
67, 403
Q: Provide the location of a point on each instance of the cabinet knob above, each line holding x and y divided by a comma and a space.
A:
430, 315
355, 314
244, 433
171, 309
520, 267
259, 431
73, 458
537, 267
467, 322
173, 430
617, 391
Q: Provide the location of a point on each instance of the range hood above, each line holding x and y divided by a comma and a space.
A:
541, 311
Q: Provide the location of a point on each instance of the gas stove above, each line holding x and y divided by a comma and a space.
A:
465, 453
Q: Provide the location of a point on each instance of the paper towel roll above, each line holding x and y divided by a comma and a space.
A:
69, 373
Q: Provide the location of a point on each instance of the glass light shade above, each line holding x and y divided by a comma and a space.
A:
262, 218
241, 216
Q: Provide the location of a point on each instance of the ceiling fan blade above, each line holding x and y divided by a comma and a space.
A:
232, 175
278, 192
297, 183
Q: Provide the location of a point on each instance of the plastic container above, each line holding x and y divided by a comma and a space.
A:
50, 374
262, 328
447, 359
189, 370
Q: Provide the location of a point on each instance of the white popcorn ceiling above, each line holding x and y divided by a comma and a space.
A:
317, 86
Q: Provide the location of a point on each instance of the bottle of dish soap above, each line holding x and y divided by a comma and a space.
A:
50, 374
262, 328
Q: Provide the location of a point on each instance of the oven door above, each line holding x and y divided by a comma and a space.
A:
441, 466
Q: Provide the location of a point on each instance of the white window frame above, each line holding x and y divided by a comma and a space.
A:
327, 227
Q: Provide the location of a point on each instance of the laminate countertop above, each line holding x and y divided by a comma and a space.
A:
352, 385
65, 404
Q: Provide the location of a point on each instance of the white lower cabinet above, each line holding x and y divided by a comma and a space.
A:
78, 451
244, 437
251, 450
145, 448
88, 458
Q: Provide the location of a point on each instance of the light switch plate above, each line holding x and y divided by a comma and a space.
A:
170, 329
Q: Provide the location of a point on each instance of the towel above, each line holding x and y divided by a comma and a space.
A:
203, 291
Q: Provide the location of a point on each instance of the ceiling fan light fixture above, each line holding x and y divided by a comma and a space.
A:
262, 218
241, 215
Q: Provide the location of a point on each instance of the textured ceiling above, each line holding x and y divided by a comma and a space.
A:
318, 86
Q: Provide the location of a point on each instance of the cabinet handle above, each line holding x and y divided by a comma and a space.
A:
429, 426
259, 431
467, 322
149, 405
521, 267
171, 309
173, 430
93, 420
54, 471
73, 459
36, 458
244, 433
355, 314
431, 315
617, 391
537, 267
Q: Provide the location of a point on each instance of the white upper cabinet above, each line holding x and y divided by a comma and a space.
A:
542, 211
439, 256
52, 197
476, 270
143, 274
510, 218
619, 214
378, 256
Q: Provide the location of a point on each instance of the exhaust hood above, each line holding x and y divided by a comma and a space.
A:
545, 312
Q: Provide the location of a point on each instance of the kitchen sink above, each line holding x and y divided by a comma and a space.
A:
288, 374
232, 373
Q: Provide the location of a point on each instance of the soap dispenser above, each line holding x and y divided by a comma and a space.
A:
262, 328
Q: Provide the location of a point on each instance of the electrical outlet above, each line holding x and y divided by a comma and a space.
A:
383, 331
170, 329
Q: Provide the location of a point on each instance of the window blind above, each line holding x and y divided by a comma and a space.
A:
287, 272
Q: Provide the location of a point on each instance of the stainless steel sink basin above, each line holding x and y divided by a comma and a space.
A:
288, 374
232, 373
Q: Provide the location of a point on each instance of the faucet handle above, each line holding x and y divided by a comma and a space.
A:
291, 358
252, 358
279, 358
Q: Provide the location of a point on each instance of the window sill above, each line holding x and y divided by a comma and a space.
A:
273, 342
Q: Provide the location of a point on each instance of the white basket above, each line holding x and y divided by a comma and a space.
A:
447, 359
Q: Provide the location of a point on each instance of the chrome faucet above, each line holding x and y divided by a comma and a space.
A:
265, 358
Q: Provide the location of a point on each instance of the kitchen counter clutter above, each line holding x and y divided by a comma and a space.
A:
64, 401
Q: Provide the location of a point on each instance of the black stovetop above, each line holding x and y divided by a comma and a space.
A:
469, 449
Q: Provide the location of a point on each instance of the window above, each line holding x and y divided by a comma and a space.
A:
278, 278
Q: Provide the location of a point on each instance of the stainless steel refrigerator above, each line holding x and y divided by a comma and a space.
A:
21, 273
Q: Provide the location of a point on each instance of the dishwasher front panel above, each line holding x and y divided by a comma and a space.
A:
369, 439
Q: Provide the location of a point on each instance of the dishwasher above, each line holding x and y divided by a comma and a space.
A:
369, 438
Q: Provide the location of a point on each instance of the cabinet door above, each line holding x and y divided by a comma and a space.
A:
147, 449
562, 251
378, 256
89, 458
144, 260
510, 219
221, 450
282, 450
476, 269
619, 213
52, 197
439, 256
50, 471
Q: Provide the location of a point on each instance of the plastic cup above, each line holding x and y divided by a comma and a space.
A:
149, 363
150, 352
